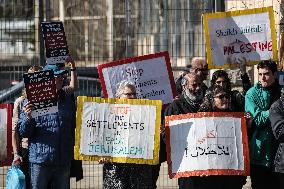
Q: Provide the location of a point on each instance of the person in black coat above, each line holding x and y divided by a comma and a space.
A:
276, 116
187, 102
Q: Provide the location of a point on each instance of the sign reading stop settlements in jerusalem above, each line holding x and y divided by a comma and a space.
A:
151, 74
243, 33
41, 91
213, 143
5, 134
124, 130
55, 42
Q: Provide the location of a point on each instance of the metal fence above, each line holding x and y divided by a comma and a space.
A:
99, 31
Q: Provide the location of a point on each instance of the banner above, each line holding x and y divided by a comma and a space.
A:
55, 42
211, 143
151, 74
244, 33
41, 91
6, 155
124, 130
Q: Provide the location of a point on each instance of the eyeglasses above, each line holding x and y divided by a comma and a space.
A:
129, 94
222, 96
219, 82
201, 69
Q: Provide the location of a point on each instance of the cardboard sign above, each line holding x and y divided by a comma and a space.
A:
212, 143
243, 33
6, 155
124, 130
55, 42
41, 91
151, 74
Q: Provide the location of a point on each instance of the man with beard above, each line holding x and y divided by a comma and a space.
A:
188, 102
191, 98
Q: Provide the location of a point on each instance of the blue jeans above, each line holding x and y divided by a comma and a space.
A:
44, 176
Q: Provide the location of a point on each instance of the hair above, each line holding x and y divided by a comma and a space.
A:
221, 73
121, 86
185, 78
208, 104
31, 69
270, 64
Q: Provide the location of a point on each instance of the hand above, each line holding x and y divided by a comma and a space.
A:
243, 64
28, 108
249, 119
69, 60
17, 159
104, 160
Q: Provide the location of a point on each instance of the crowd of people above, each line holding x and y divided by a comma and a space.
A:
50, 138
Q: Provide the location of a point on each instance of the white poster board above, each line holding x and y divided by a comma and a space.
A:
151, 74
206, 145
123, 130
3, 134
243, 33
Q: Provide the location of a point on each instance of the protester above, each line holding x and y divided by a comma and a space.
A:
217, 101
51, 137
198, 66
262, 145
276, 115
20, 145
127, 175
188, 102
220, 77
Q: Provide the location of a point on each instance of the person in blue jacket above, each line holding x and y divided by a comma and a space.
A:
51, 136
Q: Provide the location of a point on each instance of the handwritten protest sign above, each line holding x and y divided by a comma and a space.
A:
151, 74
41, 91
243, 33
124, 130
55, 42
5, 134
213, 143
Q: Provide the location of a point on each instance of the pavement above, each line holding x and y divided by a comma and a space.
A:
93, 178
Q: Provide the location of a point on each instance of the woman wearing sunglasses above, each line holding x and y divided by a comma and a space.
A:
218, 100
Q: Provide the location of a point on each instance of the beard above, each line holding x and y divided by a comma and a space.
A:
194, 96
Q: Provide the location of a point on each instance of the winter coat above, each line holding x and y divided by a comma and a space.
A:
276, 115
51, 137
257, 103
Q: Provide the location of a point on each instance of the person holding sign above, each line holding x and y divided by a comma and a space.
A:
276, 116
51, 136
188, 102
127, 175
257, 102
20, 145
218, 101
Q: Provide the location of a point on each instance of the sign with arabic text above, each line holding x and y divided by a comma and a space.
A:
211, 143
55, 42
123, 130
5, 134
246, 33
41, 92
152, 75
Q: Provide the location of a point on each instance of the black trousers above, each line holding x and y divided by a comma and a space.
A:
263, 178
